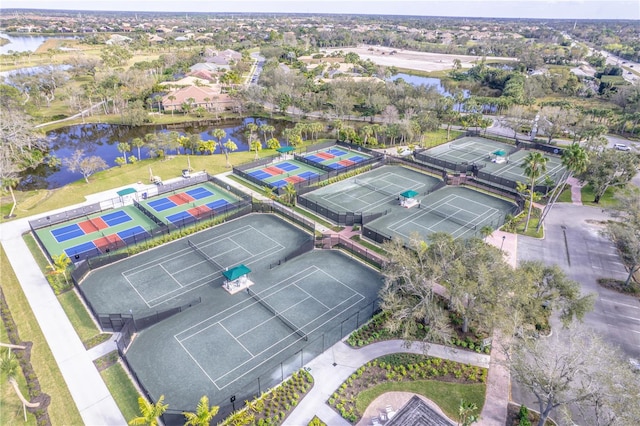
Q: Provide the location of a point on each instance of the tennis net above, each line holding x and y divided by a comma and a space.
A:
269, 308
183, 197
204, 255
373, 188
93, 224
454, 219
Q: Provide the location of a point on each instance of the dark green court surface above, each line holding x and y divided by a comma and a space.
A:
234, 345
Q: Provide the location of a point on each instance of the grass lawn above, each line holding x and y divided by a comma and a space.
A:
606, 200
62, 410
446, 395
11, 408
122, 389
565, 195
438, 137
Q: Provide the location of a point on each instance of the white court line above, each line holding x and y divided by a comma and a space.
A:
618, 303
197, 363
172, 277
273, 318
236, 339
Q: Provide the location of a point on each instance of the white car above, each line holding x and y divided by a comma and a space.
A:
621, 147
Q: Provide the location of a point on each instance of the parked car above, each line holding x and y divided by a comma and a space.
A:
621, 147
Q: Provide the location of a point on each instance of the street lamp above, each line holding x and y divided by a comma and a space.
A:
502, 244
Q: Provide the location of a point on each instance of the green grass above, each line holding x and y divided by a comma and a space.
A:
368, 245
565, 195
446, 395
62, 410
122, 389
606, 200
36, 252
438, 137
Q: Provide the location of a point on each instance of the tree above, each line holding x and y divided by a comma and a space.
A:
9, 368
467, 411
137, 143
124, 147
575, 161
218, 134
8, 183
625, 233
85, 165
229, 146
115, 55
149, 412
290, 193
517, 118
575, 368
60, 265
608, 168
273, 143
256, 146
203, 415
534, 164
554, 121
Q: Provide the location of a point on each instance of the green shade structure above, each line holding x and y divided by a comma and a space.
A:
126, 191
499, 152
409, 193
235, 273
285, 149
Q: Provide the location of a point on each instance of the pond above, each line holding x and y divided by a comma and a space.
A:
102, 140
24, 43
417, 80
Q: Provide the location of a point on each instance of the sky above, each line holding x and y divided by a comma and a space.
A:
547, 9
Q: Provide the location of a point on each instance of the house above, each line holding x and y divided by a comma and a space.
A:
187, 81
118, 39
194, 95
209, 67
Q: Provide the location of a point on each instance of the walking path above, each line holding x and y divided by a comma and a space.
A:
576, 191
95, 403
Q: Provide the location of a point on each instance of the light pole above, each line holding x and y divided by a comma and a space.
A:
502, 244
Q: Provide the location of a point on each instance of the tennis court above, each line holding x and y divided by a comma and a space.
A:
337, 157
471, 149
184, 206
459, 211
233, 344
96, 234
373, 191
280, 174
514, 171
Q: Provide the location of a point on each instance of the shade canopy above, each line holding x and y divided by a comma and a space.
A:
285, 149
500, 152
126, 191
235, 273
409, 193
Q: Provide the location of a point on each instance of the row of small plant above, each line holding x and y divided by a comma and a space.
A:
345, 175
375, 331
271, 408
399, 368
24, 359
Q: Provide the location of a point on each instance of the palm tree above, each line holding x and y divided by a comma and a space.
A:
173, 107
575, 160
9, 367
256, 146
149, 412
203, 415
9, 182
124, 147
290, 193
138, 143
534, 164
485, 231
60, 265
218, 134
229, 146
264, 128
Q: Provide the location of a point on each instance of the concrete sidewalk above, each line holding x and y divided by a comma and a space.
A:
95, 403
336, 364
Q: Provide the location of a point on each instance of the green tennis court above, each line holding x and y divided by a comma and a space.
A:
96, 233
470, 149
232, 345
373, 191
514, 171
459, 211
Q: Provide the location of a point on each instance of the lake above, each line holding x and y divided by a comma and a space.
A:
102, 140
417, 80
24, 43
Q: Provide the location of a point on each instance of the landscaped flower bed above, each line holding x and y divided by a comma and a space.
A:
272, 407
400, 368
374, 331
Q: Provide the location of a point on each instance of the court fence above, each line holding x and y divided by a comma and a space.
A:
354, 249
342, 218
286, 212
549, 149
276, 373
305, 247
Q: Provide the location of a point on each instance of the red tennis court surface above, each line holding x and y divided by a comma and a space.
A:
324, 155
199, 211
273, 171
346, 162
294, 179
108, 241
181, 198
93, 225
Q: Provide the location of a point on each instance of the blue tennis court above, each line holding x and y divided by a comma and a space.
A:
307, 175
116, 218
67, 233
288, 167
314, 158
80, 249
199, 193
217, 204
279, 183
260, 174
132, 233
335, 166
356, 158
336, 152
161, 204
179, 217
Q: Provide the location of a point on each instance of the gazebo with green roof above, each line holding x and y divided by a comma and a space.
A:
408, 198
236, 278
